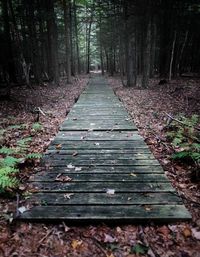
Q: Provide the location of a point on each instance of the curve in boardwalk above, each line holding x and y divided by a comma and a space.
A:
99, 168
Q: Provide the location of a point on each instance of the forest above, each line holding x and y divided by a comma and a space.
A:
66, 62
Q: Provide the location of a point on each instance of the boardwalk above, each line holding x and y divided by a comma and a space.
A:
98, 168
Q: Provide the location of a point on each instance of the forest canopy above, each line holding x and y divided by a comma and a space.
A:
49, 39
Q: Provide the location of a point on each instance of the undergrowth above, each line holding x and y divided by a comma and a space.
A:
185, 138
12, 157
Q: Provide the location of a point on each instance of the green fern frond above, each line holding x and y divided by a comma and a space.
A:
37, 126
7, 150
33, 156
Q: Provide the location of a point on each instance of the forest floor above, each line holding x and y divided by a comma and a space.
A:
148, 108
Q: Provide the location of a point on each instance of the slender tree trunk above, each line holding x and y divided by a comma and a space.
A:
181, 53
76, 38
9, 66
66, 6
147, 56
172, 57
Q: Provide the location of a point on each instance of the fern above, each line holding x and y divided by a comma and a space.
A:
186, 139
9, 161
37, 126
7, 150
33, 156
6, 178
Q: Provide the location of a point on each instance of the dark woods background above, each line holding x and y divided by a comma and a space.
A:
48, 39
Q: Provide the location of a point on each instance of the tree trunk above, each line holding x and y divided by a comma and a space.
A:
66, 5
147, 56
172, 57
53, 40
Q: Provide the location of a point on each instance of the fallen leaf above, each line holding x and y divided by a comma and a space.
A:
133, 175
70, 166
78, 169
110, 191
76, 243
195, 233
62, 178
58, 147
97, 144
109, 239
68, 196
187, 232
164, 230
22, 209
75, 153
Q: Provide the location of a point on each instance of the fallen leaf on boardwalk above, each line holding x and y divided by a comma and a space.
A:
187, 232
109, 239
147, 208
76, 243
133, 175
78, 169
74, 119
83, 137
68, 196
97, 143
62, 178
195, 233
58, 147
75, 153
110, 191
70, 166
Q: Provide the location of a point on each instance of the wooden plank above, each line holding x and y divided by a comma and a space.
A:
76, 156
99, 177
99, 162
158, 213
106, 199
104, 169
131, 187
98, 151
97, 144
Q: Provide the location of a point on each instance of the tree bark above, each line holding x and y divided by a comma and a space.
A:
66, 5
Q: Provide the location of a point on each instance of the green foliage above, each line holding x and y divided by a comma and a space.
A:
6, 178
139, 249
9, 161
33, 156
20, 126
7, 150
37, 126
8, 164
185, 138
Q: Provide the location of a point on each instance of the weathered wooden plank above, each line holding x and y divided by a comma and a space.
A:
98, 151
106, 199
73, 187
99, 135
97, 144
105, 169
98, 177
78, 156
99, 162
97, 128
158, 213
